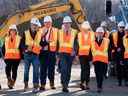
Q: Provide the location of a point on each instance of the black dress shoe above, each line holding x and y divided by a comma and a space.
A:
42, 89
53, 87
82, 87
99, 90
65, 90
126, 83
10, 87
87, 88
120, 84
0, 87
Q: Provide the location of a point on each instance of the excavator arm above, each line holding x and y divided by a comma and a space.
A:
44, 9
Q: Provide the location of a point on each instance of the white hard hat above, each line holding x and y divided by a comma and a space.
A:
47, 19
112, 18
35, 21
121, 24
100, 29
126, 27
67, 19
13, 27
103, 24
85, 25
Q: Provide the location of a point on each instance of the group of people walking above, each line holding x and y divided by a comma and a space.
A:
44, 45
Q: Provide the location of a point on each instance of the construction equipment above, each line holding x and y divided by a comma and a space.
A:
123, 14
47, 7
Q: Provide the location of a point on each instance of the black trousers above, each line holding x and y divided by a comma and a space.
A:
120, 71
126, 71
106, 70
47, 66
99, 68
85, 69
11, 69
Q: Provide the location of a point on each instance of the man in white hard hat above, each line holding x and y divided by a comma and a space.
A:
125, 43
66, 40
32, 38
99, 49
112, 52
48, 53
118, 49
121, 26
85, 39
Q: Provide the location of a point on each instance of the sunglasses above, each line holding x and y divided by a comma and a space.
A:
122, 27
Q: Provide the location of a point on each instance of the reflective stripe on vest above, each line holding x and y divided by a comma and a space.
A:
66, 42
34, 44
115, 38
12, 48
125, 42
84, 41
100, 53
53, 40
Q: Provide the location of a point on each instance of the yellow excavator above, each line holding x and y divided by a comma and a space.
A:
46, 7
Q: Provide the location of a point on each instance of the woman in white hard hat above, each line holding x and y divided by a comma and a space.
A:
32, 39
12, 54
66, 40
85, 39
100, 52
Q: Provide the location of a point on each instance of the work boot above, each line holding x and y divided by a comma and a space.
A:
25, 86
52, 85
35, 89
12, 83
42, 88
9, 83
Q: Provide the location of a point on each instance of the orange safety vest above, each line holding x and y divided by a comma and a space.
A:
100, 53
12, 47
115, 38
125, 42
84, 43
53, 39
34, 44
107, 34
66, 42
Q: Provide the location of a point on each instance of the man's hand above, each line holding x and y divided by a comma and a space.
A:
118, 49
29, 48
121, 63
